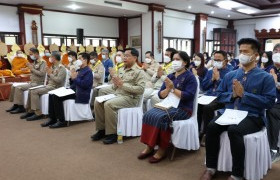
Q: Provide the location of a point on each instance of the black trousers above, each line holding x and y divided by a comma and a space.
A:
273, 126
206, 113
56, 110
235, 132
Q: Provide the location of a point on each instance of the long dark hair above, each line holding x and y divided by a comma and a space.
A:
200, 69
269, 57
185, 57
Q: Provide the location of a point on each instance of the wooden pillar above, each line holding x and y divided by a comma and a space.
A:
123, 31
198, 32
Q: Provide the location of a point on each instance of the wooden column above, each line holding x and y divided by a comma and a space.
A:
198, 31
123, 31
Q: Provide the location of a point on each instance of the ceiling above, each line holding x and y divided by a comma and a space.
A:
136, 7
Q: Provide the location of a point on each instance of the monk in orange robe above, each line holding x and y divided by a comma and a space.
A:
3, 71
46, 57
19, 64
65, 60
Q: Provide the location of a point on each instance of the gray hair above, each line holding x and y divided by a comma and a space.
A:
56, 55
276, 46
105, 51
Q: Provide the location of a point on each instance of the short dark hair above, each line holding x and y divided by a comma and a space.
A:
72, 53
223, 53
185, 57
93, 54
34, 50
56, 55
85, 56
151, 53
133, 51
256, 46
173, 51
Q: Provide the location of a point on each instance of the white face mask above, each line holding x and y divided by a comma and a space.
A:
118, 59
42, 54
166, 59
78, 64
264, 60
244, 59
92, 61
218, 64
48, 54
177, 65
148, 60
276, 58
103, 56
20, 55
70, 59
33, 58
50, 60
197, 63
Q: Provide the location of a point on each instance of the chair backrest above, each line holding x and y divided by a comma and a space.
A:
103, 77
46, 79
141, 100
67, 78
195, 102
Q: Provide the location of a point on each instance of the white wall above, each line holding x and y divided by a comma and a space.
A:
28, 18
214, 23
146, 33
134, 29
178, 24
65, 23
9, 19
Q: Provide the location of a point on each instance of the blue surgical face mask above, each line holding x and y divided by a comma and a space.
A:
33, 57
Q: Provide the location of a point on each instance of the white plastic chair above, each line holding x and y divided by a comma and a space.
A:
148, 103
44, 99
130, 119
185, 132
257, 155
77, 111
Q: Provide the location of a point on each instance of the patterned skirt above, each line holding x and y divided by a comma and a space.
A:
155, 127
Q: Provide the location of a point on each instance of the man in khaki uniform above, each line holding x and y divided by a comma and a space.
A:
128, 86
56, 79
38, 73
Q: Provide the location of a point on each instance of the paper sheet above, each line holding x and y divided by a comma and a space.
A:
170, 101
103, 86
205, 100
104, 98
231, 117
61, 92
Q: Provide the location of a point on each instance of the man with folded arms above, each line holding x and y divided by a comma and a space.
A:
247, 89
128, 87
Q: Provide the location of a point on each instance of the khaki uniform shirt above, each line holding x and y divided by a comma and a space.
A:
38, 72
98, 70
57, 78
152, 68
167, 69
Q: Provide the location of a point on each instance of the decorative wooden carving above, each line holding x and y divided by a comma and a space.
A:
159, 28
156, 7
264, 34
34, 29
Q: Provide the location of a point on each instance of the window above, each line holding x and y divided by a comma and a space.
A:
9, 38
209, 46
270, 43
179, 44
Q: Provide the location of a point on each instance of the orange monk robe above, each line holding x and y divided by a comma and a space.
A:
65, 60
46, 58
5, 72
17, 64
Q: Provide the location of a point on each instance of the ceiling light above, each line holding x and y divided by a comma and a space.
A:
246, 11
228, 16
212, 12
73, 6
228, 5
189, 7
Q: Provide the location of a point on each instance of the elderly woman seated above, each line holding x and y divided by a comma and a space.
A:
157, 123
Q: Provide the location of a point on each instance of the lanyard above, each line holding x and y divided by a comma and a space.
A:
96, 65
165, 67
119, 66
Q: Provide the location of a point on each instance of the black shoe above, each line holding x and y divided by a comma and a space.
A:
14, 107
35, 117
110, 139
48, 123
19, 109
58, 124
99, 135
26, 115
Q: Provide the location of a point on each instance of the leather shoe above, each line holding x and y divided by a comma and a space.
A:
206, 175
145, 155
34, 117
156, 160
26, 115
110, 139
48, 123
98, 136
14, 107
19, 109
230, 178
58, 124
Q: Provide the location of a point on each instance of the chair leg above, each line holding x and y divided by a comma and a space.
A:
68, 123
173, 153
